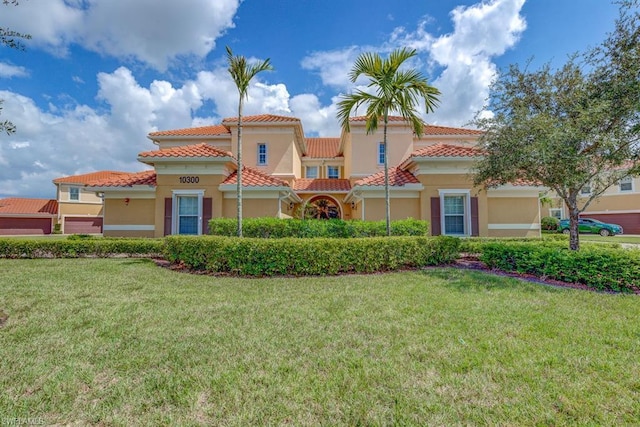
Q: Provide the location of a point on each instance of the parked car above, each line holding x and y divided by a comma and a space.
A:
590, 225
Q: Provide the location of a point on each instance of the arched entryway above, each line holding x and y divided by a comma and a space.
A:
323, 207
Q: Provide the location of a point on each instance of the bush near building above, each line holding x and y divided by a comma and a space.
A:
305, 228
300, 257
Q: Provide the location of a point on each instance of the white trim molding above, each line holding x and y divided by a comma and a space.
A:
513, 226
129, 227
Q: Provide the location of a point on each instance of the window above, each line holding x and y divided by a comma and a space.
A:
455, 208
556, 213
586, 190
74, 193
626, 184
454, 215
262, 154
381, 150
333, 172
311, 172
187, 212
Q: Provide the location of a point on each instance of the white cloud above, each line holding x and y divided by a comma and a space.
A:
8, 71
334, 66
143, 30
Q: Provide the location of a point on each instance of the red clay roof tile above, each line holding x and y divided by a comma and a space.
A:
23, 206
198, 131
447, 150
254, 178
88, 177
397, 178
323, 147
320, 185
446, 130
128, 180
262, 118
193, 150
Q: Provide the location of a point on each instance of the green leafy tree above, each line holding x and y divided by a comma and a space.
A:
242, 73
568, 128
393, 90
10, 39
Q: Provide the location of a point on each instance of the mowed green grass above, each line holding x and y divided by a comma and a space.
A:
123, 342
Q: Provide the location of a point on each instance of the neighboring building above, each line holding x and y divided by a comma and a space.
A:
620, 204
194, 179
20, 216
80, 209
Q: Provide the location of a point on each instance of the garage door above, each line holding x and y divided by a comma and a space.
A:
82, 225
630, 222
22, 226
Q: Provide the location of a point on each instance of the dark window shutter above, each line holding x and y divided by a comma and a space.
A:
167, 215
475, 225
435, 216
207, 207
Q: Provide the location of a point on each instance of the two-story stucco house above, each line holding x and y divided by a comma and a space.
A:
193, 179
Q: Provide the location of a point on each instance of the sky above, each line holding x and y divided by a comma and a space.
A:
98, 75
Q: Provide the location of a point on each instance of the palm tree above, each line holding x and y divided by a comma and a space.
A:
242, 72
394, 90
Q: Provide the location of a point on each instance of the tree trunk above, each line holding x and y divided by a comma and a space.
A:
574, 215
239, 173
387, 199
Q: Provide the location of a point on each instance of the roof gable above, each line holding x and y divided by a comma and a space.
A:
87, 178
197, 131
323, 147
321, 185
128, 180
254, 178
202, 150
397, 178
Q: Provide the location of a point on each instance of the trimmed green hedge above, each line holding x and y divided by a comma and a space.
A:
337, 228
299, 257
597, 266
79, 247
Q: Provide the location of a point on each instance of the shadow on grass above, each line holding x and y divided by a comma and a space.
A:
469, 281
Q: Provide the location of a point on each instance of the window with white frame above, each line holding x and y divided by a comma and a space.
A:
333, 172
262, 154
586, 190
556, 213
381, 151
311, 172
455, 212
626, 184
187, 212
74, 193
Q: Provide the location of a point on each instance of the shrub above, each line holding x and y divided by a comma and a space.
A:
550, 223
318, 256
334, 228
78, 247
597, 266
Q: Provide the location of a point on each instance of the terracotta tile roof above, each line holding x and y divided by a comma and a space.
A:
364, 119
445, 130
319, 185
88, 177
128, 180
262, 118
16, 205
397, 178
254, 178
446, 150
198, 131
322, 147
193, 150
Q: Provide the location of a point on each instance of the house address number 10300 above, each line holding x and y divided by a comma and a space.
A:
189, 179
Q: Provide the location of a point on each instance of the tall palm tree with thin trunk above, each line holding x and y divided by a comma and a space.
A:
242, 73
393, 91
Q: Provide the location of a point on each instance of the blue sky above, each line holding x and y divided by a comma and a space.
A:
99, 75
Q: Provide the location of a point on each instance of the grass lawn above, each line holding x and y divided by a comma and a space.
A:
123, 342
